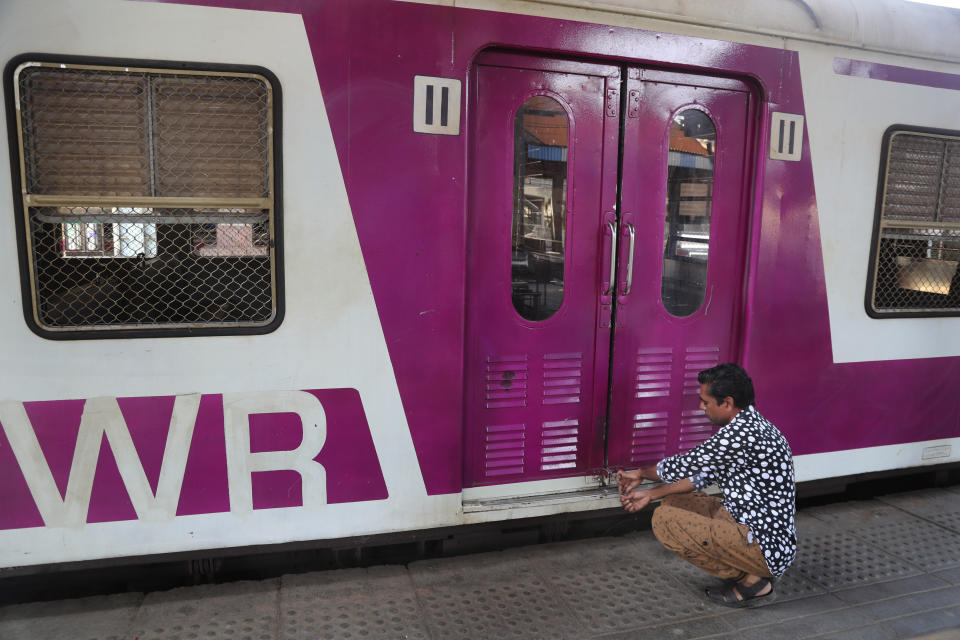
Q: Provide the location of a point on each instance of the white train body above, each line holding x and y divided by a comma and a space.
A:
358, 402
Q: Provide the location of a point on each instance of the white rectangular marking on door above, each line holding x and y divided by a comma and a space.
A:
436, 105
786, 136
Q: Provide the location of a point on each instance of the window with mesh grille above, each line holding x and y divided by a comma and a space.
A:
148, 198
916, 252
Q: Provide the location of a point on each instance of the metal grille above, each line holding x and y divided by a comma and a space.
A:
917, 270
918, 252
149, 267
148, 197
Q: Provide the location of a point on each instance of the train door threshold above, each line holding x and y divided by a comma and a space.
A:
595, 497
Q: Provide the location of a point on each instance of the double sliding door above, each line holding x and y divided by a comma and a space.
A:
607, 239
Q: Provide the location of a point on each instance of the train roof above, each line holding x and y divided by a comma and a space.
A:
895, 26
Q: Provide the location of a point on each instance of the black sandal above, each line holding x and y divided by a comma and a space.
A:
727, 596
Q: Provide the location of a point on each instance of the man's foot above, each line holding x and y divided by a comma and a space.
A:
750, 592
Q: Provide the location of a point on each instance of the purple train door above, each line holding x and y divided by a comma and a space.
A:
684, 227
541, 235
542, 399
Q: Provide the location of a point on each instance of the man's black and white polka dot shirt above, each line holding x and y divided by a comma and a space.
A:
750, 460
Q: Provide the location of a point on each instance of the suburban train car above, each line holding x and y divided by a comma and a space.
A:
303, 270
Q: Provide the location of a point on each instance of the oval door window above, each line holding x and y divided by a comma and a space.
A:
538, 238
686, 234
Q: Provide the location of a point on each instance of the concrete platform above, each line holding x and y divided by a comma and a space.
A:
872, 570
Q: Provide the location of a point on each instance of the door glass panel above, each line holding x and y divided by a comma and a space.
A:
539, 231
686, 234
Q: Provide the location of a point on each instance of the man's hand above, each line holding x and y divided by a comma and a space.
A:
628, 481
636, 501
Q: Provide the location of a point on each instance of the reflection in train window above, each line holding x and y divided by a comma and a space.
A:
686, 234
538, 237
914, 268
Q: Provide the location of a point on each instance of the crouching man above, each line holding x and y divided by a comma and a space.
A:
748, 537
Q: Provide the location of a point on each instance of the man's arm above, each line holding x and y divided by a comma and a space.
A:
636, 500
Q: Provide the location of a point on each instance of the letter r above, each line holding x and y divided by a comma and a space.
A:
241, 463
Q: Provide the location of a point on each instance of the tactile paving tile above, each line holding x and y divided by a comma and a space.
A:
521, 609
238, 611
923, 501
924, 544
365, 604
937, 505
794, 585
691, 578
96, 618
949, 520
839, 560
850, 516
616, 586
491, 596
791, 586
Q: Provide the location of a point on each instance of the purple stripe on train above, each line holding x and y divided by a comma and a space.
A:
190, 445
891, 73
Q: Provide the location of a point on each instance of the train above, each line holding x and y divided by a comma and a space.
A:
298, 271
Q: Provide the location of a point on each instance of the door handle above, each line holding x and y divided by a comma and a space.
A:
613, 258
633, 236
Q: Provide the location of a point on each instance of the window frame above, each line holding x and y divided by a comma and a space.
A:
518, 189
21, 212
710, 220
872, 265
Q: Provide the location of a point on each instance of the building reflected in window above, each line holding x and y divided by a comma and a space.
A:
686, 233
538, 238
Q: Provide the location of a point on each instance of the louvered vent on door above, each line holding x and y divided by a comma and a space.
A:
503, 449
695, 427
654, 369
562, 376
697, 359
558, 444
506, 381
648, 441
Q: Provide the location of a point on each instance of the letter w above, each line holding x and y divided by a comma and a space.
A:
102, 416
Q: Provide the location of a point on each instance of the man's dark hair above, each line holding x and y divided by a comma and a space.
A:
731, 380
